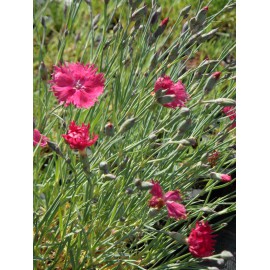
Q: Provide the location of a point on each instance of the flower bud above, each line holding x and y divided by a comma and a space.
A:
54, 147
96, 20
155, 16
221, 101
222, 177
212, 268
184, 12
128, 124
134, 3
225, 254
208, 35
153, 212
129, 191
206, 65
109, 129
184, 111
208, 210
164, 22
145, 185
160, 29
177, 237
166, 99
184, 126
137, 14
195, 38
201, 16
185, 28
152, 137
108, 177
106, 2
137, 182
173, 53
43, 71
211, 82
103, 166
192, 24
189, 142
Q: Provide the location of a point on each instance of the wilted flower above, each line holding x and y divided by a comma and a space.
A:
200, 240
78, 136
39, 139
230, 112
170, 199
213, 157
177, 89
77, 84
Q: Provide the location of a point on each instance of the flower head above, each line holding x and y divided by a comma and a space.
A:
170, 199
225, 178
230, 112
78, 136
177, 89
39, 139
200, 240
77, 84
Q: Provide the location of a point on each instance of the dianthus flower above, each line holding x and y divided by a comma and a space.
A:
39, 139
213, 157
200, 240
230, 112
177, 89
170, 199
77, 84
78, 136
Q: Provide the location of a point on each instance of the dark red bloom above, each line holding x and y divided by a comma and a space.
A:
77, 84
230, 112
78, 136
170, 199
177, 89
200, 240
216, 75
39, 139
205, 8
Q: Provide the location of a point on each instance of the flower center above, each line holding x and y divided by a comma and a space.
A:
160, 203
79, 85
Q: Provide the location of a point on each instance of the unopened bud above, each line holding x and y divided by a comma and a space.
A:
153, 212
54, 147
185, 28
211, 82
134, 3
208, 210
106, 2
195, 38
164, 22
152, 137
192, 24
109, 129
174, 53
189, 142
206, 65
184, 12
108, 177
160, 29
208, 35
184, 126
154, 61
166, 99
221, 101
155, 16
137, 14
96, 20
184, 111
220, 261
212, 268
145, 185
103, 166
129, 191
219, 176
128, 124
177, 237
201, 16
137, 182
225, 254
43, 71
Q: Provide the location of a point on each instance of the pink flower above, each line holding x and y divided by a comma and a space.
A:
225, 178
77, 84
216, 75
177, 89
170, 199
230, 112
78, 136
39, 139
200, 240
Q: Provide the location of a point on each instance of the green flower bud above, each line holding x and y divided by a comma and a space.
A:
103, 166
128, 124
54, 147
108, 177
137, 14
146, 185
211, 82
221, 101
184, 12
225, 254
109, 129
201, 16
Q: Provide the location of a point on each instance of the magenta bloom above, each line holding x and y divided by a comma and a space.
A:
77, 84
200, 240
39, 139
177, 89
78, 136
164, 22
170, 199
230, 112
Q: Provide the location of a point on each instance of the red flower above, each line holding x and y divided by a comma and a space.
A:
39, 139
78, 136
77, 84
230, 112
200, 240
164, 22
177, 89
170, 199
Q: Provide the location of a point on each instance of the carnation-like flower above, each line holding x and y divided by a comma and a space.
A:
176, 89
77, 84
200, 240
78, 136
225, 178
170, 199
230, 112
39, 139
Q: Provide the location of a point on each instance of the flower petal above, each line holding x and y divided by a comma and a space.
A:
156, 190
176, 210
173, 195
